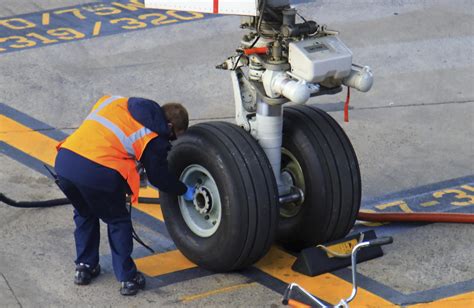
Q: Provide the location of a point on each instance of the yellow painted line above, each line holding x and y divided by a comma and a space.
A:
462, 300
97, 27
153, 210
468, 187
45, 19
149, 192
400, 203
218, 291
27, 140
163, 263
429, 203
328, 287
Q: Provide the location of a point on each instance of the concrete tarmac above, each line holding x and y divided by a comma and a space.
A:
413, 128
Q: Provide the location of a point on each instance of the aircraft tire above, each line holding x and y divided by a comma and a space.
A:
234, 170
319, 156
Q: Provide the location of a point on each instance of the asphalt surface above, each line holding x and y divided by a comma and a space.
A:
413, 128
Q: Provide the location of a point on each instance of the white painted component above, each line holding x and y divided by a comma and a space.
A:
360, 78
232, 7
269, 136
317, 59
277, 83
240, 118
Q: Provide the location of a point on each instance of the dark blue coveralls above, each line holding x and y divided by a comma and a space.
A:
98, 192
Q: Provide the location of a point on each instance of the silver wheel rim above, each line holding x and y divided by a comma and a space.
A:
203, 214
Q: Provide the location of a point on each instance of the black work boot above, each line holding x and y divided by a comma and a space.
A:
131, 287
85, 273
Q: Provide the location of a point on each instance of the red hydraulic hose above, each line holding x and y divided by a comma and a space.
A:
255, 50
417, 217
346, 105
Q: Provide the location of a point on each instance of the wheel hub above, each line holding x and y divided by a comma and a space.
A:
202, 200
203, 214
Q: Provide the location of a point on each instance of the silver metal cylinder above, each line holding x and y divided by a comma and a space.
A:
277, 3
269, 136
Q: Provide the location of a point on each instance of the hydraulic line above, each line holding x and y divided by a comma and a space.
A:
417, 217
346, 105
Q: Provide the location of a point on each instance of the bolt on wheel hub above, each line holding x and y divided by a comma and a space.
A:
202, 200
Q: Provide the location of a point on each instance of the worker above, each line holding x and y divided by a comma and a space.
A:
97, 168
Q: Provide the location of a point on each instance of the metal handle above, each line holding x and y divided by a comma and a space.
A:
381, 241
286, 295
288, 301
375, 242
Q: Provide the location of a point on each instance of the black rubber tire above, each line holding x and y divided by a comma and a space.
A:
248, 193
331, 174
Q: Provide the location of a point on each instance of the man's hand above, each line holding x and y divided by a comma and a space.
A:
189, 195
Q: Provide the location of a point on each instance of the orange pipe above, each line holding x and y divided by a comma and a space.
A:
258, 50
417, 217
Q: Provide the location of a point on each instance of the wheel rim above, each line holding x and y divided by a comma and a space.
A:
290, 166
203, 214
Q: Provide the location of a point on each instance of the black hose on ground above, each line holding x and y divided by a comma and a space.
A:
65, 201
33, 204
57, 202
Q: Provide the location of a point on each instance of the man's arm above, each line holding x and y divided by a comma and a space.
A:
154, 159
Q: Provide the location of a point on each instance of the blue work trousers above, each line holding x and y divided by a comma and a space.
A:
90, 205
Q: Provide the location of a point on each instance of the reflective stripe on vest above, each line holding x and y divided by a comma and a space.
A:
127, 142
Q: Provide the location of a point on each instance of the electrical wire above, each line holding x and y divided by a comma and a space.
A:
135, 235
260, 18
301, 16
262, 9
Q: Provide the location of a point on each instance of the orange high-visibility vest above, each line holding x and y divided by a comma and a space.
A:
111, 137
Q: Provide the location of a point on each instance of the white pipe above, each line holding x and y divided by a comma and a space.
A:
278, 83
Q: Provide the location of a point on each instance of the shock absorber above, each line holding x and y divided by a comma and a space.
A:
269, 135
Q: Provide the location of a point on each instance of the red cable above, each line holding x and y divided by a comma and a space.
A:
257, 50
417, 217
346, 105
